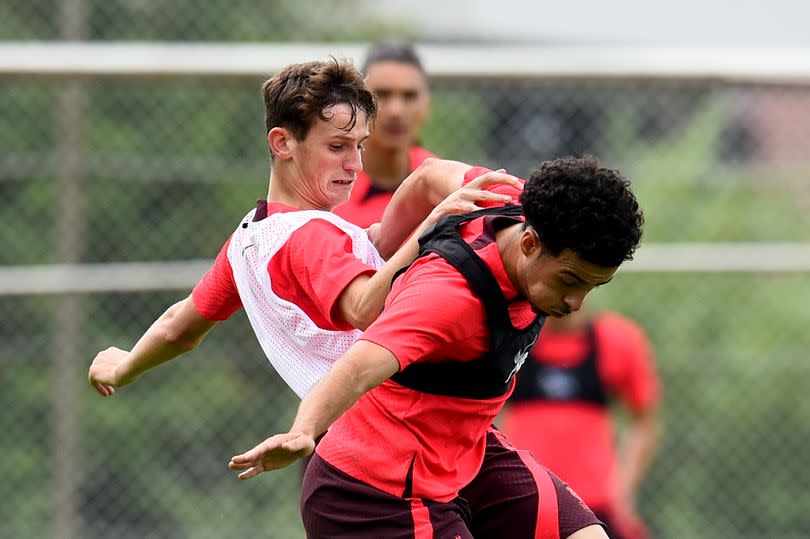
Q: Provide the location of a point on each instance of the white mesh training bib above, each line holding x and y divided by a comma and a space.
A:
300, 351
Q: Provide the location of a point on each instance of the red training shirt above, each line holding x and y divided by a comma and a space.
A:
431, 314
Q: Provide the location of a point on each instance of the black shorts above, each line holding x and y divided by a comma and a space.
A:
511, 497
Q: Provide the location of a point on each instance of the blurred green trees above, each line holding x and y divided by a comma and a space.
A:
168, 167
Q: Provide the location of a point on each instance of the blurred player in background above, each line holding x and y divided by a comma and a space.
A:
457, 326
560, 411
395, 75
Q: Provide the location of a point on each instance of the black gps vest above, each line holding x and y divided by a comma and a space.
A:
540, 381
491, 374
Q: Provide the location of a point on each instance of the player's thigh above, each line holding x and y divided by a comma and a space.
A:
504, 497
594, 531
337, 506
515, 497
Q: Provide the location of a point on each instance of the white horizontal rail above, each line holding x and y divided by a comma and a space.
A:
179, 275
135, 59
102, 277
721, 257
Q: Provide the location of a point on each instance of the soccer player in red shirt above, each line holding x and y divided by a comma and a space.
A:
456, 328
560, 411
395, 75
308, 280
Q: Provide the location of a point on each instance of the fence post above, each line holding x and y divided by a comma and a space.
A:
70, 225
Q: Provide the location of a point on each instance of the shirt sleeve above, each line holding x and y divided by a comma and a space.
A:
216, 297
500, 188
630, 369
431, 314
312, 270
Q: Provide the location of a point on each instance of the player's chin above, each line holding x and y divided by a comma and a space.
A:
553, 313
341, 190
339, 197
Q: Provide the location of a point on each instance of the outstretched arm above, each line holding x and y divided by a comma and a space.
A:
433, 181
362, 300
363, 367
180, 329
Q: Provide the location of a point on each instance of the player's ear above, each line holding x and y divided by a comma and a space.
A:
530, 244
281, 143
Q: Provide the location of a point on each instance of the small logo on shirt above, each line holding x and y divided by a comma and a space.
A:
520, 359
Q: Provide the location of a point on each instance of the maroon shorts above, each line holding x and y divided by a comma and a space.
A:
335, 505
511, 497
515, 497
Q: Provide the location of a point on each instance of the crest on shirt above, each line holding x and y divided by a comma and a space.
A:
520, 358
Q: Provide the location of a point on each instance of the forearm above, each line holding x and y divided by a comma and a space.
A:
639, 448
168, 337
370, 299
363, 299
416, 197
151, 350
364, 366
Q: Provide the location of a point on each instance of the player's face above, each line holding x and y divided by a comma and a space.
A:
329, 158
557, 285
404, 103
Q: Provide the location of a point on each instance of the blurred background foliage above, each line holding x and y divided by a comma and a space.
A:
164, 169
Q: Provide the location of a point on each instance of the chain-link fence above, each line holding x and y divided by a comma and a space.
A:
188, 20
114, 170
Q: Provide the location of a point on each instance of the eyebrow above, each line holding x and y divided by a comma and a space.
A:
581, 280
574, 275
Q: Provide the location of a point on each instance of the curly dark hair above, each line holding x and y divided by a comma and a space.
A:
298, 94
575, 203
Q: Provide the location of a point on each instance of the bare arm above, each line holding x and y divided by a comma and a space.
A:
593, 531
639, 448
362, 300
180, 329
419, 193
363, 367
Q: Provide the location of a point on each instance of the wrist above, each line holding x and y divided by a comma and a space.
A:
304, 429
432, 218
121, 377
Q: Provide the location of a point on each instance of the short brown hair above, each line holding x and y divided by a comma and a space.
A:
299, 93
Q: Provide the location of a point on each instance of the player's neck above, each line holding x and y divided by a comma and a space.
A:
286, 192
386, 168
509, 248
